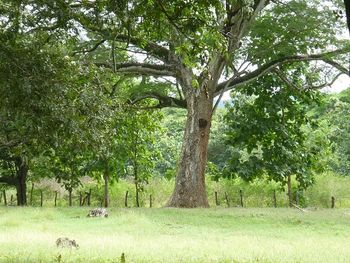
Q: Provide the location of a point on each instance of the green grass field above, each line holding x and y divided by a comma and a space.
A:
176, 235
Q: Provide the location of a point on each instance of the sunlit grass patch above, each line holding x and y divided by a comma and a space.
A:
176, 235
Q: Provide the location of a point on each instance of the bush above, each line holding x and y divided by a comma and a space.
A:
327, 185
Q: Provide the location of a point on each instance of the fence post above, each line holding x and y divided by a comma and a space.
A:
274, 199
126, 199
55, 198
89, 198
41, 198
227, 201
216, 199
332, 201
31, 194
5, 200
241, 197
150, 200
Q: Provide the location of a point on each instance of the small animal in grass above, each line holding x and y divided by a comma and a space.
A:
98, 212
65, 242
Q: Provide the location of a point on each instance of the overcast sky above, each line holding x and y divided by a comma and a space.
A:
342, 83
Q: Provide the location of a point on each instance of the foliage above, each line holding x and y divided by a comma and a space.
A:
169, 142
36, 86
333, 114
218, 151
138, 130
82, 68
265, 126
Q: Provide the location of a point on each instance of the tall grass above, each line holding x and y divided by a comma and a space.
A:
259, 193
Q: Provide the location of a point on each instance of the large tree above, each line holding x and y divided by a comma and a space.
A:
203, 46
32, 84
44, 107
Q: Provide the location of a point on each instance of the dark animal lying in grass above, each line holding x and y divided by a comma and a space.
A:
98, 212
65, 242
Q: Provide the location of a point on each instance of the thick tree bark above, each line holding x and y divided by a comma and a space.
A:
190, 180
18, 179
21, 186
106, 179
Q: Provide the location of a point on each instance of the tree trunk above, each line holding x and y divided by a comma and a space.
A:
190, 180
289, 191
5, 199
21, 186
126, 199
137, 195
106, 179
55, 198
89, 198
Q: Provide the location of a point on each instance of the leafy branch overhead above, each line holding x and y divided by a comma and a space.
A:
197, 40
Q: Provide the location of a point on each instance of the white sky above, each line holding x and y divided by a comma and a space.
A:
342, 83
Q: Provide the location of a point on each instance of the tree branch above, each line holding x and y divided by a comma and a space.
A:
337, 66
327, 84
164, 101
234, 82
91, 49
170, 19
140, 68
286, 80
151, 48
289, 83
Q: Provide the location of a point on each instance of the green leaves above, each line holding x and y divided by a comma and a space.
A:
297, 27
334, 119
138, 129
265, 124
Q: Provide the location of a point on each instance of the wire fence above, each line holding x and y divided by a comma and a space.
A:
276, 199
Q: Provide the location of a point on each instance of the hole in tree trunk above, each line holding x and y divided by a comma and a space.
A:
202, 123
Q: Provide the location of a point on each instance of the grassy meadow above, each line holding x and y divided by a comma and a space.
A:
176, 235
